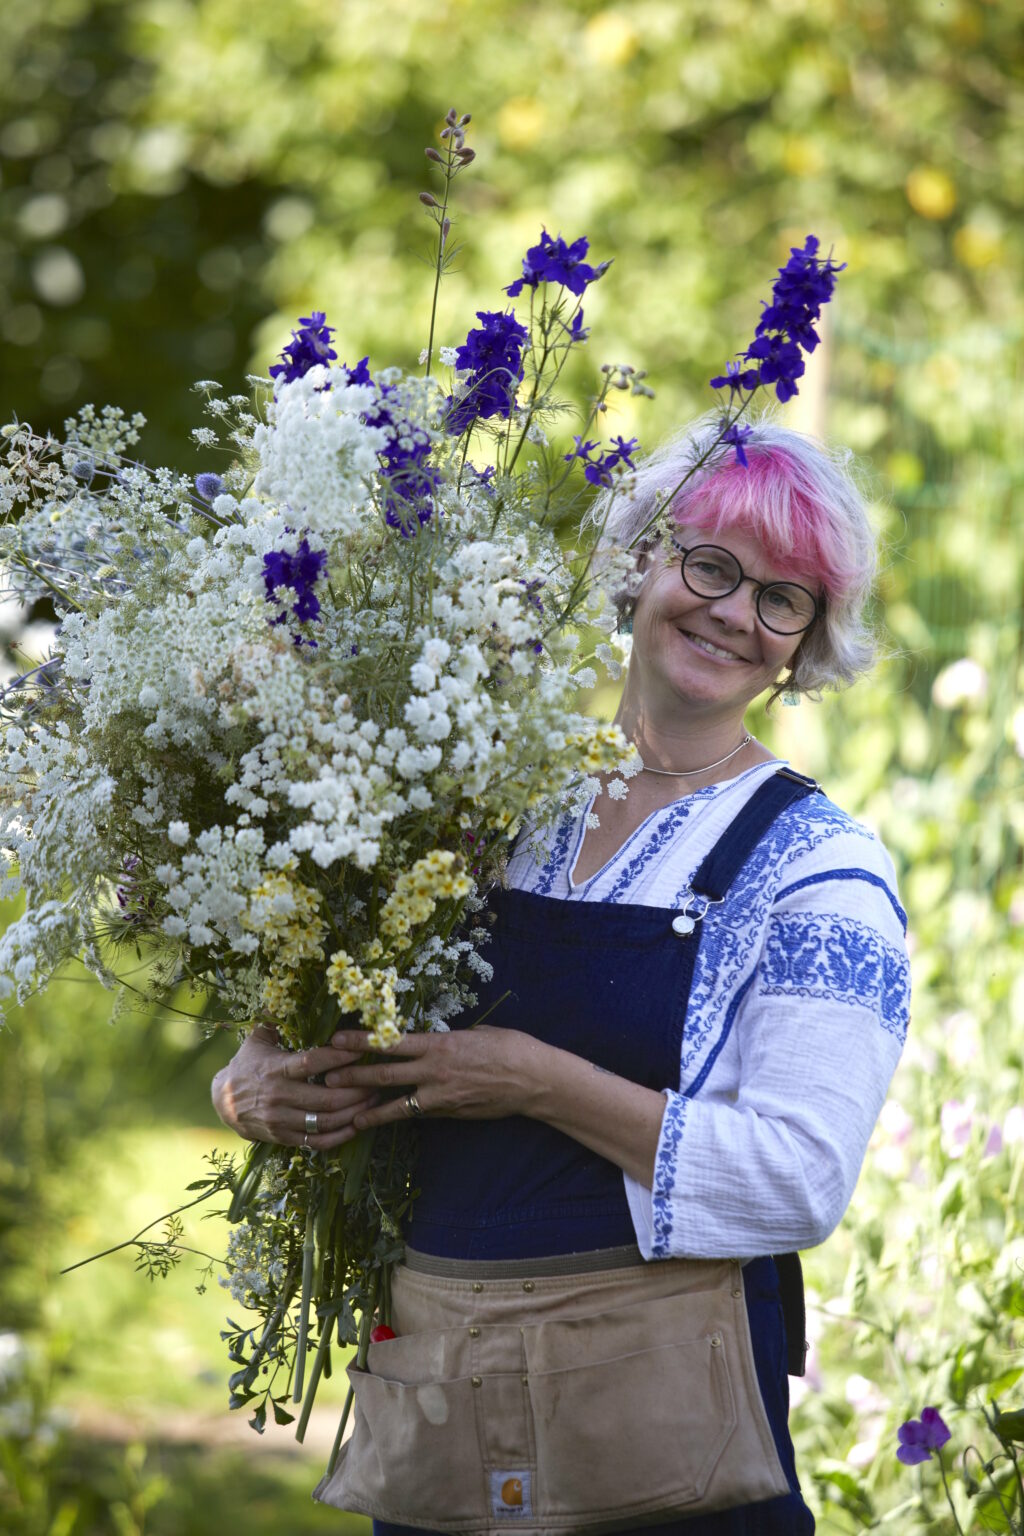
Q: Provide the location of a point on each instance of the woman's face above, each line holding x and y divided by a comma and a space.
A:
713, 653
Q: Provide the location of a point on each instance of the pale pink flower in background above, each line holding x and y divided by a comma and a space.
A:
895, 1122
864, 1452
1013, 1125
962, 682
889, 1144
1015, 911
1017, 730
957, 1124
993, 1142
961, 1031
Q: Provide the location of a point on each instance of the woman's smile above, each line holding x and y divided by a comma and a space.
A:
710, 648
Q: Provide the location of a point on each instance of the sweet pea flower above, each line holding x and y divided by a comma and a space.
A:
919, 1437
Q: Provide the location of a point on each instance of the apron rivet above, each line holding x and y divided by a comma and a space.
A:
527, 1285
477, 1381
525, 1380
737, 1293
477, 1286
683, 925
716, 1341
474, 1333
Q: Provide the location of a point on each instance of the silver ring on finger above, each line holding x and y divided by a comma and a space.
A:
413, 1106
312, 1122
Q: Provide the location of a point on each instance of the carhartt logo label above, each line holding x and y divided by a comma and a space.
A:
510, 1494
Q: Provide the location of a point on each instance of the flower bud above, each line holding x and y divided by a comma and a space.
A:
466, 155
432, 154
451, 115
445, 133
446, 227
467, 117
429, 200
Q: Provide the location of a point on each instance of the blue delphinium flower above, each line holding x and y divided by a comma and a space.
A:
310, 345
209, 486
552, 261
786, 325
300, 571
737, 436
599, 471
493, 352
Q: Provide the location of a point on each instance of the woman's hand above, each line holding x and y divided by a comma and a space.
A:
472, 1074
264, 1094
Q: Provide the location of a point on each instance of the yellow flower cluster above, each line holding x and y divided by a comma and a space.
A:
603, 749
438, 876
372, 996
283, 912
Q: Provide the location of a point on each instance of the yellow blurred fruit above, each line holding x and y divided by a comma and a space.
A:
977, 245
609, 39
930, 192
521, 121
802, 157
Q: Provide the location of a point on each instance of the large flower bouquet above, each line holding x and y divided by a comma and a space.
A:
297, 711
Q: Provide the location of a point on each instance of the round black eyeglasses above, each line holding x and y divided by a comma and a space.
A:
784, 607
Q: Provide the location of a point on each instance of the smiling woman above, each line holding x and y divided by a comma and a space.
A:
697, 1003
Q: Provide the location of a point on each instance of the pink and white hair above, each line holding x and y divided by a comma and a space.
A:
800, 498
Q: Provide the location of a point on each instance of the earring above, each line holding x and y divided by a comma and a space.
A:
791, 697
625, 624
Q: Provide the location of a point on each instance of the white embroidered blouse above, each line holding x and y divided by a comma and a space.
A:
797, 1016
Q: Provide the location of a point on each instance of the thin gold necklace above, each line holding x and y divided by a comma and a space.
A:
689, 773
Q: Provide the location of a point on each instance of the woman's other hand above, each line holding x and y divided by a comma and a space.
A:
264, 1094
473, 1074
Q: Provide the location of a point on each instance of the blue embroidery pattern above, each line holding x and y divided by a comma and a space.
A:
810, 954
656, 843
665, 1172
825, 875
734, 932
556, 858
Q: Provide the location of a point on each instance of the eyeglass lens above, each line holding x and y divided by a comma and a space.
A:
783, 606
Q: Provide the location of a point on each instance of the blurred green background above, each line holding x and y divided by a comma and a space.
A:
179, 180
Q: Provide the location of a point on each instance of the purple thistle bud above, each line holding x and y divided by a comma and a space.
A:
429, 200
209, 486
432, 154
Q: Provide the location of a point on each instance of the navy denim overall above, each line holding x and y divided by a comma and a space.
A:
611, 984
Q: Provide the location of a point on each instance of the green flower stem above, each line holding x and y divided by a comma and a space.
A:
366, 1324
307, 1287
336, 1447
730, 421
449, 173
269, 1333
326, 1329
249, 1179
949, 1496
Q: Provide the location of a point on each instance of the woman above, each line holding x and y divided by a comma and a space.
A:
698, 1002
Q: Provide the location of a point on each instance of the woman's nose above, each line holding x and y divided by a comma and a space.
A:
737, 610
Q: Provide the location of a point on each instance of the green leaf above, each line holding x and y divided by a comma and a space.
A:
281, 1415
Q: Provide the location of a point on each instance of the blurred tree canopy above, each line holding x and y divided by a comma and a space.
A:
181, 179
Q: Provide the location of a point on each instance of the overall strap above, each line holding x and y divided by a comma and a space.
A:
738, 842
713, 880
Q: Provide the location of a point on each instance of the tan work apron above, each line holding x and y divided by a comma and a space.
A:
566, 1402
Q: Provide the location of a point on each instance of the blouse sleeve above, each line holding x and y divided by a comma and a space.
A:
819, 1029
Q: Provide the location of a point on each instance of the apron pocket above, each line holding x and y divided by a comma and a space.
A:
414, 1450
638, 1430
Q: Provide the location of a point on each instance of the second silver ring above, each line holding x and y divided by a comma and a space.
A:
312, 1122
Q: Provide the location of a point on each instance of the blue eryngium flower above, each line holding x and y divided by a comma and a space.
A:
493, 352
786, 325
301, 572
552, 261
919, 1437
209, 486
310, 345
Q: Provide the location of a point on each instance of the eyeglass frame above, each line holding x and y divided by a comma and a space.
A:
761, 587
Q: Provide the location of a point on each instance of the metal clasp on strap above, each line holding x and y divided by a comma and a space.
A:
694, 908
797, 778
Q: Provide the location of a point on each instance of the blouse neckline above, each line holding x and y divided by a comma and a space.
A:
708, 792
